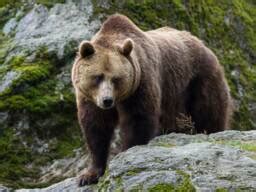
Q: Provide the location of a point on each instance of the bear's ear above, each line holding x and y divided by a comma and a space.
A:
127, 47
86, 49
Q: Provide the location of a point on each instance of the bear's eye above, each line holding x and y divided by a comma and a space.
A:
97, 79
116, 80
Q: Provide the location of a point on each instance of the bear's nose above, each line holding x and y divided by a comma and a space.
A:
107, 102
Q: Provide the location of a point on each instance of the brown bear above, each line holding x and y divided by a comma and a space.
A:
141, 81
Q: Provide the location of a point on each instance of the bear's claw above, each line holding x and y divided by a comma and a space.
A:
89, 177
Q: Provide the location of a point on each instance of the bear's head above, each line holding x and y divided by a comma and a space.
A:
105, 76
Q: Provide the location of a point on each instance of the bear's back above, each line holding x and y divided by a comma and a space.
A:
168, 34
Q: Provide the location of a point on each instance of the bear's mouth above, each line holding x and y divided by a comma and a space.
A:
105, 108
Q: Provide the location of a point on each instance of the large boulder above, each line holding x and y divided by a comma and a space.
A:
59, 29
222, 161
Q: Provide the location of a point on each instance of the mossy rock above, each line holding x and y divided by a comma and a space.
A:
49, 115
185, 185
189, 167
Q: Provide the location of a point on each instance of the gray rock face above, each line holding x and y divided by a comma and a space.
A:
66, 185
3, 189
224, 160
10, 26
211, 166
3, 117
8, 79
56, 28
65, 167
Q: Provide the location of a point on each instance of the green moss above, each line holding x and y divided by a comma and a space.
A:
221, 190
243, 145
49, 3
106, 180
252, 156
4, 3
134, 171
33, 90
8, 10
103, 184
119, 184
65, 146
20, 165
4, 47
163, 187
14, 156
185, 186
248, 147
31, 74
50, 114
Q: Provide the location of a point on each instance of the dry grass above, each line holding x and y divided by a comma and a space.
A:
185, 123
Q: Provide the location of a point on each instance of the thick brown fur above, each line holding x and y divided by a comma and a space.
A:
174, 73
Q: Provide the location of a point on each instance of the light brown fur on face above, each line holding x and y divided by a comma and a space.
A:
153, 77
116, 73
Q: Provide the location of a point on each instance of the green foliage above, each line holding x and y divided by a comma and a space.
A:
65, 146
227, 27
14, 156
30, 74
185, 186
9, 3
7, 10
51, 117
49, 3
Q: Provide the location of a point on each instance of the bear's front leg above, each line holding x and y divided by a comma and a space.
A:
97, 126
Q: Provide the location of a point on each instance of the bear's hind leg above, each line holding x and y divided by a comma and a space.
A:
138, 129
209, 103
139, 118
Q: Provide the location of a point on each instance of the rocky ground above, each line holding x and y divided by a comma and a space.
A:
40, 141
224, 161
